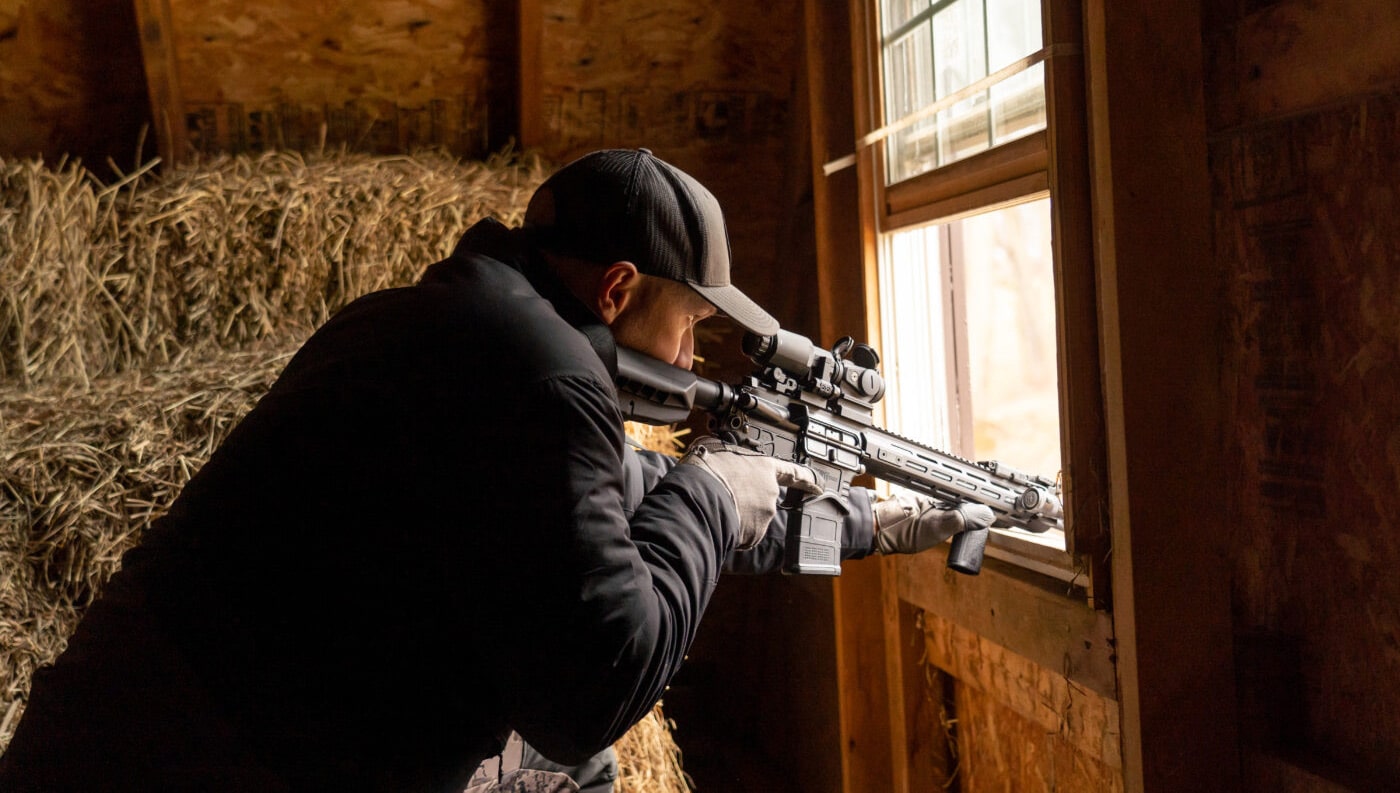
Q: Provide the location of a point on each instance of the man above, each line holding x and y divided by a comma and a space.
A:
420, 539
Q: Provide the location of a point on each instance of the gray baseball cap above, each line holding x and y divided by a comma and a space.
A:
629, 205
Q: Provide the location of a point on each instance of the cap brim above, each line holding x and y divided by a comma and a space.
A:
739, 308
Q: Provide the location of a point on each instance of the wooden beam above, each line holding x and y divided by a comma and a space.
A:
904, 729
162, 78
835, 198
1160, 307
866, 749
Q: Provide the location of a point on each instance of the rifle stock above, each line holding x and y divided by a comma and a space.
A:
814, 407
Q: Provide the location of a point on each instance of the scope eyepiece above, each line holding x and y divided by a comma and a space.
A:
791, 352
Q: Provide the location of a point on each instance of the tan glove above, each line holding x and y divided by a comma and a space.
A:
752, 480
910, 523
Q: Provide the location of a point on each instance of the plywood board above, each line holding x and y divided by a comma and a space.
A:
1057, 630
1075, 715
1001, 750
373, 76
1305, 226
667, 73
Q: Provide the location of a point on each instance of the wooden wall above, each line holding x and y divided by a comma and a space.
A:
1305, 161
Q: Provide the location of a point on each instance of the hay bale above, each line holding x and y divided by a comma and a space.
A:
221, 253
648, 760
140, 321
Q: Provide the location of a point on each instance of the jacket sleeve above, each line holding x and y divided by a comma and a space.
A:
857, 534
612, 603
857, 539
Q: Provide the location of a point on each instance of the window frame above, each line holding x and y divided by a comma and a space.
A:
1051, 161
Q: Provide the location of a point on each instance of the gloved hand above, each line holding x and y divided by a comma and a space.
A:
752, 480
910, 523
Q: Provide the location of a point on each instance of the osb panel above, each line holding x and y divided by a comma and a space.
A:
1305, 225
667, 73
1084, 722
1000, 750
71, 81
381, 76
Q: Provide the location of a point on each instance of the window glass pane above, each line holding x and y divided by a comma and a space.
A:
894, 13
960, 59
1009, 293
1018, 105
1004, 293
908, 87
959, 45
913, 356
1013, 28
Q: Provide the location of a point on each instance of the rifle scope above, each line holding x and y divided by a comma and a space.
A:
831, 374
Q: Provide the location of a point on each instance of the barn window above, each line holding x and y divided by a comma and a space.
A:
967, 207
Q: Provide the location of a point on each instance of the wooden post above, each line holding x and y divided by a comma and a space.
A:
1160, 305
162, 78
530, 74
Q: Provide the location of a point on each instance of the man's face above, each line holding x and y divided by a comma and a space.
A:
661, 321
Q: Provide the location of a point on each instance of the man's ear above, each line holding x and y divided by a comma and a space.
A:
616, 290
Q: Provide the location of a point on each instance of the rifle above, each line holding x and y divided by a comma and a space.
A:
814, 408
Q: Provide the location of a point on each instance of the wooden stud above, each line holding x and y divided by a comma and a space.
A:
162, 77
1161, 320
530, 73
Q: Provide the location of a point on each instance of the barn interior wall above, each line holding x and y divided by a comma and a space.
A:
1305, 159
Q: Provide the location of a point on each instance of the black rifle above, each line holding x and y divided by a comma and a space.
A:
814, 407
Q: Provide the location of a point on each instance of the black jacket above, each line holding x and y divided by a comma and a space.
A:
414, 543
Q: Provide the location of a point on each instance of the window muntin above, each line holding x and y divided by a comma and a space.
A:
930, 53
